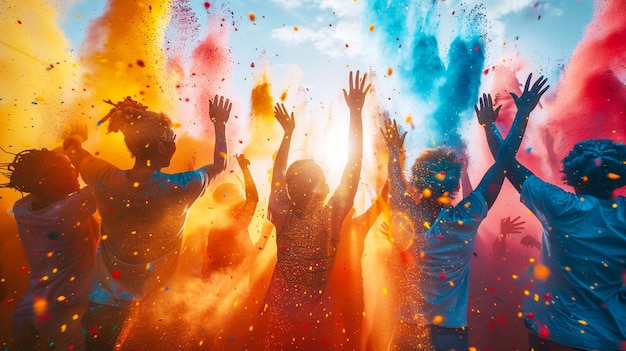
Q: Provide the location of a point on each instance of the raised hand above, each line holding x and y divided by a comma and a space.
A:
355, 97
285, 119
242, 160
511, 226
529, 240
486, 114
530, 97
219, 109
391, 134
76, 131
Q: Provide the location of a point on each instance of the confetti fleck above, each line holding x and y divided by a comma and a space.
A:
541, 272
437, 320
613, 176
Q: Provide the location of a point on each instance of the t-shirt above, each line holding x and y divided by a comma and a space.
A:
142, 228
582, 302
60, 242
435, 281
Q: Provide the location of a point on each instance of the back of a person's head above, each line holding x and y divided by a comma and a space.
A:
596, 167
305, 182
41, 173
437, 169
142, 128
228, 194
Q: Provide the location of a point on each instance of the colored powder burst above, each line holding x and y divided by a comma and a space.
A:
457, 94
591, 92
262, 102
453, 88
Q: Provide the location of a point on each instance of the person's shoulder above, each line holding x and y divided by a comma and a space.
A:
475, 201
23, 203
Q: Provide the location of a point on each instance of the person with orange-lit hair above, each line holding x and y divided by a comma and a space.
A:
298, 303
143, 210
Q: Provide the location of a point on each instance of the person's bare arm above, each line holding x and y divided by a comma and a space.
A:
73, 144
366, 219
219, 112
288, 123
344, 195
252, 195
398, 189
526, 103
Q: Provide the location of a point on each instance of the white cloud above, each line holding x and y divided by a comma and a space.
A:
290, 4
330, 31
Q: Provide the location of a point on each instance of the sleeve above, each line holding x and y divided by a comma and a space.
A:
197, 181
473, 207
546, 201
194, 183
93, 170
464, 219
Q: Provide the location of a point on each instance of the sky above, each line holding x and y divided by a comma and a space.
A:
428, 61
307, 47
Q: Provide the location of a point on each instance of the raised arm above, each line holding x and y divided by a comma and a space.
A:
355, 98
219, 112
369, 217
73, 143
507, 149
288, 123
398, 190
252, 195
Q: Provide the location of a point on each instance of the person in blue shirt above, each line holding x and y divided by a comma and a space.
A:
433, 240
579, 299
143, 210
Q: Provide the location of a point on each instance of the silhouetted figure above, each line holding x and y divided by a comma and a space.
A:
347, 277
143, 212
56, 226
578, 301
298, 302
228, 242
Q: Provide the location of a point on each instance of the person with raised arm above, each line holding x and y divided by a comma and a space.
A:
228, 242
143, 212
578, 300
298, 301
434, 240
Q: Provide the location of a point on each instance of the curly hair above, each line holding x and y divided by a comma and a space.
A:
437, 169
31, 171
141, 127
596, 167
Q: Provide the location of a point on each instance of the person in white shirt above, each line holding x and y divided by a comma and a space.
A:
56, 226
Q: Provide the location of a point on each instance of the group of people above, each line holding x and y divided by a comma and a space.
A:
87, 277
